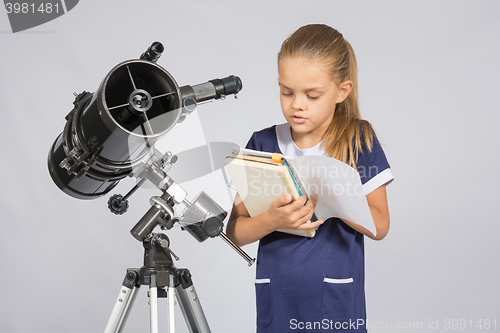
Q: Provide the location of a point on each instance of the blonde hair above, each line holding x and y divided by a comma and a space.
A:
347, 134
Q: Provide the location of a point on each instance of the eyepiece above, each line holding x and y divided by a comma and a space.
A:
153, 53
233, 84
227, 86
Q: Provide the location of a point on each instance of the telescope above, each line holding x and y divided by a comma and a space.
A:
111, 134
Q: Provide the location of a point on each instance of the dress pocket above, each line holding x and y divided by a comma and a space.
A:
338, 301
264, 302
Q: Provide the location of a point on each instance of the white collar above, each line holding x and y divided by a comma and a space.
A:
288, 146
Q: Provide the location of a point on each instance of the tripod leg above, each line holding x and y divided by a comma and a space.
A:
123, 304
153, 304
190, 305
171, 303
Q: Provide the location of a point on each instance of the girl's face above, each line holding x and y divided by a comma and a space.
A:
308, 97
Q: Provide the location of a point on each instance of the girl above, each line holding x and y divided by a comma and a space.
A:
315, 283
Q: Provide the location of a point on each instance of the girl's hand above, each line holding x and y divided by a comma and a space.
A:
282, 214
285, 214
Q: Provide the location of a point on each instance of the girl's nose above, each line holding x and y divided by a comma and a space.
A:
298, 104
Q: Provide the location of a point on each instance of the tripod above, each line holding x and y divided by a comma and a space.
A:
203, 219
159, 272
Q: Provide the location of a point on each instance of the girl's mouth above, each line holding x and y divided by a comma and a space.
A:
298, 119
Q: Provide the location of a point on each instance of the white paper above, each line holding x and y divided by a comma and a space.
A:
338, 187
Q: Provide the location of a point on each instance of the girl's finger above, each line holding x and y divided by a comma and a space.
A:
306, 226
284, 200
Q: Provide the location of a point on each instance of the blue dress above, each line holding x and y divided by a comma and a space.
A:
314, 284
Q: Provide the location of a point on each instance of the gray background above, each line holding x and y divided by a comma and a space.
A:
428, 75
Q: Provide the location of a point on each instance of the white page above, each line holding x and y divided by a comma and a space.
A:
338, 187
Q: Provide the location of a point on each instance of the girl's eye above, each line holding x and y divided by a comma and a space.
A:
286, 93
313, 97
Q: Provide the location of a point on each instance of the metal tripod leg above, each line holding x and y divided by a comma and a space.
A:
123, 304
171, 303
188, 301
190, 305
153, 304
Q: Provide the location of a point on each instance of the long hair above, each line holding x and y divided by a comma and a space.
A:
347, 134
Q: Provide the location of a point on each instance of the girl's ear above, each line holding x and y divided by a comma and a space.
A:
344, 90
